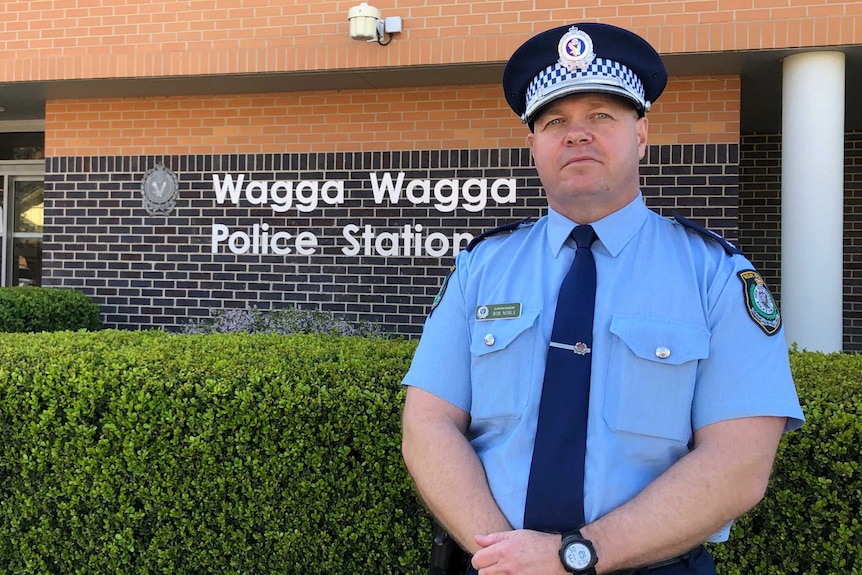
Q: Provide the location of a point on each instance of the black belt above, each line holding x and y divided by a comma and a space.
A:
660, 564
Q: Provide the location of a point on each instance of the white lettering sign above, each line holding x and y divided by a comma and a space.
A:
409, 241
280, 195
306, 196
473, 192
259, 241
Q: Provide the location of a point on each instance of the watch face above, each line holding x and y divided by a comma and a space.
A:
578, 555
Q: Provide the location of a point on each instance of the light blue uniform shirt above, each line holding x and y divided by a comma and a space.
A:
660, 288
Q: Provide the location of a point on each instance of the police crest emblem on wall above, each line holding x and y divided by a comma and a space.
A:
160, 188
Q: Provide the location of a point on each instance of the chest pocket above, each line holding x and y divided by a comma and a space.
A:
502, 352
651, 376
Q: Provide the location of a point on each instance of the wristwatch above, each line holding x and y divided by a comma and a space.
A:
578, 554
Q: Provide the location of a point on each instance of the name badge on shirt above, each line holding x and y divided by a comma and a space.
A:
498, 311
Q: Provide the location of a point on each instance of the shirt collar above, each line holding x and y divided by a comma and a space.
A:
614, 230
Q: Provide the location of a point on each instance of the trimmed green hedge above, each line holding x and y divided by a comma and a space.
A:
809, 522
33, 309
144, 452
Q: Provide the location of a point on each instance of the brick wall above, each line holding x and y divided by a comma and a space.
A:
760, 220
703, 109
853, 242
49, 40
760, 206
698, 181
159, 271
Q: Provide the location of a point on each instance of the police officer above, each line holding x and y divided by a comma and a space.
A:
690, 387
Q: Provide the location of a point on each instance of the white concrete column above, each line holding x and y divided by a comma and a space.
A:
812, 200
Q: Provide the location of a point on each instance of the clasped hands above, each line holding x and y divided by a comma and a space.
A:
519, 552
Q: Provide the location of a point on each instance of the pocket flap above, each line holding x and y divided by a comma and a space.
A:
497, 334
665, 342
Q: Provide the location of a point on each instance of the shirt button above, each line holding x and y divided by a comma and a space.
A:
662, 352
489, 340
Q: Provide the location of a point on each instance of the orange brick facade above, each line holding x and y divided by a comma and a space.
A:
694, 110
80, 39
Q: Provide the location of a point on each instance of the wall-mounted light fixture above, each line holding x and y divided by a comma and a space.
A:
366, 24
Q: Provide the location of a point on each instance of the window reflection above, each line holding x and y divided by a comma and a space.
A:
29, 207
27, 225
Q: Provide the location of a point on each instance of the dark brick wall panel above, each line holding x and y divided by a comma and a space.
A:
853, 242
149, 271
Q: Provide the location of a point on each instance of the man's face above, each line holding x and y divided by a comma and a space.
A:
587, 148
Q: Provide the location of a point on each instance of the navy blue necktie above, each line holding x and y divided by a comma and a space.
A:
555, 492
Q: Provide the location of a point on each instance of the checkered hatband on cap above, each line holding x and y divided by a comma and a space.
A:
602, 75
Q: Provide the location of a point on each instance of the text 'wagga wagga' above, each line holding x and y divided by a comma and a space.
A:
444, 195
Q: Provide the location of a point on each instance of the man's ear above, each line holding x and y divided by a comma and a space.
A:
642, 128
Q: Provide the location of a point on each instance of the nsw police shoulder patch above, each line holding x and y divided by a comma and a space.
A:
442, 290
761, 305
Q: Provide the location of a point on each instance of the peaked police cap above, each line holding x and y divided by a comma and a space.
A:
582, 57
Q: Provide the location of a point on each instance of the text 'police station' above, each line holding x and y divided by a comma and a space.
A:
306, 196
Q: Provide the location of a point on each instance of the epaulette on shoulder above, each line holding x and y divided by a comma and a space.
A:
505, 228
728, 247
